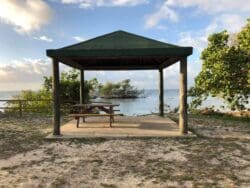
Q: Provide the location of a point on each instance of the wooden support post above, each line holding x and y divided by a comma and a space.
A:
161, 93
77, 122
82, 99
20, 108
183, 119
56, 97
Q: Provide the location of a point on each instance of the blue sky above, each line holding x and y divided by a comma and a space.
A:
29, 27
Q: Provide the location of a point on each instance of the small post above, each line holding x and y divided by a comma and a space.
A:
161, 93
20, 108
56, 97
82, 99
183, 119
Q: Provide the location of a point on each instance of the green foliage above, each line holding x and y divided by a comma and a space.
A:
225, 70
70, 86
70, 92
34, 101
121, 89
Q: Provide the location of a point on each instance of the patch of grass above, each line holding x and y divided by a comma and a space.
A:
186, 178
58, 182
221, 116
105, 185
10, 168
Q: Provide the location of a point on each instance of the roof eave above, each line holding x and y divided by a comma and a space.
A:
170, 52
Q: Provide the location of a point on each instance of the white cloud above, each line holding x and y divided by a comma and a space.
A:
163, 13
212, 6
28, 74
26, 15
44, 38
25, 74
198, 41
104, 3
231, 22
26, 70
224, 8
79, 39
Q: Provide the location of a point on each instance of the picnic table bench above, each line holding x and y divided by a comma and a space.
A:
87, 110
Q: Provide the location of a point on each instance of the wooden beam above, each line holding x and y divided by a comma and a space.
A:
169, 62
118, 68
56, 97
82, 98
161, 93
70, 62
183, 119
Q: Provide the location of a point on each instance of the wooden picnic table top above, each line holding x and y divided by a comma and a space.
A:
95, 105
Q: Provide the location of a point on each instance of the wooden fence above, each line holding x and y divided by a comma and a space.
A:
20, 106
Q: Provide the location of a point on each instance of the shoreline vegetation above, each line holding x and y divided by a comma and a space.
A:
34, 106
32, 100
69, 83
119, 90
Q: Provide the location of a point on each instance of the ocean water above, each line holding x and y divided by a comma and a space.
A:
5, 95
150, 102
147, 104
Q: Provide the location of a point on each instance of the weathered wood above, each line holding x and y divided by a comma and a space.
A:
94, 115
77, 122
56, 97
70, 62
161, 93
119, 68
183, 119
78, 116
169, 62
82, 99
20, 109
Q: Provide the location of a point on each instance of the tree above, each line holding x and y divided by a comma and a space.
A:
225, 70
121, 89
70, 85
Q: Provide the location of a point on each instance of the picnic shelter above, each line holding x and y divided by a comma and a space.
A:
117, 51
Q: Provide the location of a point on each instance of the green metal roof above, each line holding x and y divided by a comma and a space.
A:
120, 50
121, 44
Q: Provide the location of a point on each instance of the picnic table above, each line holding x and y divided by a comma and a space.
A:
94, 109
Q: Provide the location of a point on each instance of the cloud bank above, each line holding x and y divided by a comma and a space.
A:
23, 74
26, 15
224, 9
104, 3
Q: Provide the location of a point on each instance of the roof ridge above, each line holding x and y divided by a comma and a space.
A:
79, 43
119, 31
149, 39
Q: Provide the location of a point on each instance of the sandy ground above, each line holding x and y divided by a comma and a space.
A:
210, 160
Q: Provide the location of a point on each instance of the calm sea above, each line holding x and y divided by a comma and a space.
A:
6, 95
145, 105
150, 102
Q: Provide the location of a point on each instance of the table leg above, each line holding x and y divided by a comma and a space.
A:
110, 121
77, 122
111, 112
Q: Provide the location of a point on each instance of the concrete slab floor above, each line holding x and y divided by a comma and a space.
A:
124, 126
